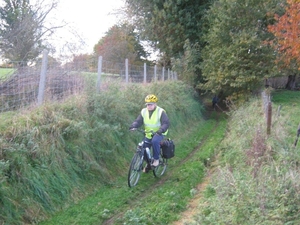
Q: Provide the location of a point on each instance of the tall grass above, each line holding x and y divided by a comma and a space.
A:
257, 181
57, 154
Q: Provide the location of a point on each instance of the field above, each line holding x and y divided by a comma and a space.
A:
5, 71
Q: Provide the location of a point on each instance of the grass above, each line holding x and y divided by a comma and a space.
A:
60, 153
67, 163
152, 201
257, 181
5, 72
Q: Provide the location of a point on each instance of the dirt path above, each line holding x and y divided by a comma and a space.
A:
192, 209
187, 217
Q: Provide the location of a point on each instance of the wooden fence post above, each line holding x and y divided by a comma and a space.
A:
126, 70
155, 78
145, 73
99, 74
42, 83
269, 117
278, 110
298, 134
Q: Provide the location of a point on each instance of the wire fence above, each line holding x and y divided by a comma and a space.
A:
23, 86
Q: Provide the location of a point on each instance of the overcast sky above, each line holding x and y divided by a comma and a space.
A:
91, 19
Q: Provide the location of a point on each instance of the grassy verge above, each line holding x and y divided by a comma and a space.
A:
257, 181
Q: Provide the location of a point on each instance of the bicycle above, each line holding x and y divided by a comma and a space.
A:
137, 165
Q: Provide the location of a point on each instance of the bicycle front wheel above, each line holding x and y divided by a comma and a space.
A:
135, 169
161, 168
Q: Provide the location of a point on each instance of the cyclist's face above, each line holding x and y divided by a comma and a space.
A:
150, 106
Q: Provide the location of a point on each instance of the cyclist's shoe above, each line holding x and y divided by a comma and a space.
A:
155, 162
146, 169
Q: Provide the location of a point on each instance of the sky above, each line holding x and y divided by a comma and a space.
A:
90, 19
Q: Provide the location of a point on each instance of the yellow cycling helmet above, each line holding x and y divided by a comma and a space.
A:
151, 99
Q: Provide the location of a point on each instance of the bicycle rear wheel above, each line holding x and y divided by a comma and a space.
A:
161, 168
135, 169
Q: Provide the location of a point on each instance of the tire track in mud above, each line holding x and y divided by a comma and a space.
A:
186, 215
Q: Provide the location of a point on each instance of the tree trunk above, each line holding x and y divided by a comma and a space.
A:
291, 83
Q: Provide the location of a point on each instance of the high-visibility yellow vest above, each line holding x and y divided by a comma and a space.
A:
152, 123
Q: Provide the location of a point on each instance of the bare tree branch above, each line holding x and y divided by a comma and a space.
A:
23, 32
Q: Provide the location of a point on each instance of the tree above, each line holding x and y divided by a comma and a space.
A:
84, 62
119, 43
22, 29
287, 43
235, 60
168, 24
287, 31
187, 66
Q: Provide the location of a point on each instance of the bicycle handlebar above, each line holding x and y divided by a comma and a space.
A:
142, 131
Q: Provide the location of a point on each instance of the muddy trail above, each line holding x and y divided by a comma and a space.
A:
192, 205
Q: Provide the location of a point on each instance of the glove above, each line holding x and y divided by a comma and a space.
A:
159, 132
132, 128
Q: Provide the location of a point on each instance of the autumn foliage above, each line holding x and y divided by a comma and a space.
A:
287, 33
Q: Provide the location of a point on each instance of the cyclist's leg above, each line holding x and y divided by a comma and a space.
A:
156, 145
147, 143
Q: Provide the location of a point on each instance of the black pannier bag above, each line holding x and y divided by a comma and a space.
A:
168, 148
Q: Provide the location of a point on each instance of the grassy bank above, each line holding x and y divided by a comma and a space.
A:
257, 180
56, 155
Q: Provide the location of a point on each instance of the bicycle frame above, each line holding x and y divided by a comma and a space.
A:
136, 165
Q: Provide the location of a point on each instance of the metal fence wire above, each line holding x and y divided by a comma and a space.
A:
48, 81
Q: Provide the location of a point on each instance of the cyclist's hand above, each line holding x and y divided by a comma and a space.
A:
159, 132
132, 128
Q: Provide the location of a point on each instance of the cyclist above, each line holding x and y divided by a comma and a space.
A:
215, 101
154, 118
